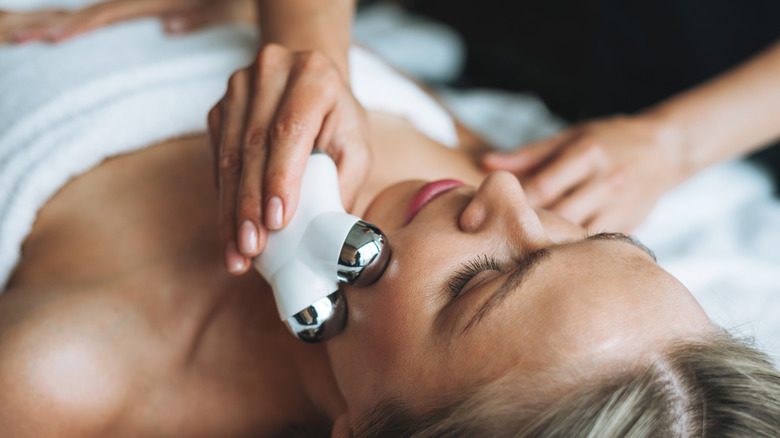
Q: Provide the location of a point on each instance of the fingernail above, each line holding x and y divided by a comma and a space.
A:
235, 261
247, 238
274, 213
176, 24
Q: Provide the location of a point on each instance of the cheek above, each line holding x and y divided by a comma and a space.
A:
391, 317
388, 210
387, 345
390, 322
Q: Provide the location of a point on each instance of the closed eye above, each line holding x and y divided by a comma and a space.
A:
470, 270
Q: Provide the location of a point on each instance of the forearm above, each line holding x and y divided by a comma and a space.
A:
731, 115
322, 25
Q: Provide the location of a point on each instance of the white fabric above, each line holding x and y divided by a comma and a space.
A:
719, 233
65, 108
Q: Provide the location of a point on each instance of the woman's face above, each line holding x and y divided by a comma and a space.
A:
480, 284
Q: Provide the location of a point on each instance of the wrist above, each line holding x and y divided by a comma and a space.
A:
310, 25
673, 141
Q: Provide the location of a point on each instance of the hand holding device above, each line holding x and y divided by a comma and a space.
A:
321, 247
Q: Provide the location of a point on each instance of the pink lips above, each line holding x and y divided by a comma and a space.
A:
428, 193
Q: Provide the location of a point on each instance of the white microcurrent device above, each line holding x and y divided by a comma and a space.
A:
321, 247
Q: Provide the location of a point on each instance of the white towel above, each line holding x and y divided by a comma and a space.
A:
64, 108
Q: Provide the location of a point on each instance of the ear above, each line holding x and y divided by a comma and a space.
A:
342, 427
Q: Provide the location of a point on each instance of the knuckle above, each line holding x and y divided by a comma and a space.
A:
312, 61
270, 53
234, 78
255, 140
229, 162
236, 84
288, 126
596, 150
593, 145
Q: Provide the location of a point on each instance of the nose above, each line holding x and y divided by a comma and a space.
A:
500, 206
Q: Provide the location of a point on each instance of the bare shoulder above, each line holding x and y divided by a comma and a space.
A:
57, 377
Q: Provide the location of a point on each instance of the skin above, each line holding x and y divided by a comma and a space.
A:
120, 319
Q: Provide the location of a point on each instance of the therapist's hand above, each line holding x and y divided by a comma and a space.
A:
179, 16
605, 175
263, 130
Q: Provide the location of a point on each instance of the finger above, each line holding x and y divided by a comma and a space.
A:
620, 217
269, 80
28, 34
19, 27
230, 165
353, 158
103, 14
215, 118
584, 202
33, 26
528, 157
577, 161
605, 221
309, 98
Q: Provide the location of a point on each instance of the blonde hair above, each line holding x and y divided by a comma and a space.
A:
719, 386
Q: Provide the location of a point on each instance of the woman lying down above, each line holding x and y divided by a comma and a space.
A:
491, 319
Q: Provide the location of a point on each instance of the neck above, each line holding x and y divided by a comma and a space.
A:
298, 377
315, 400
315, 377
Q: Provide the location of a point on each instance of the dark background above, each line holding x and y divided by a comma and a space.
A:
590, 58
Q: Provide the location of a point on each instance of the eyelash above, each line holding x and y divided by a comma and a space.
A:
470, 270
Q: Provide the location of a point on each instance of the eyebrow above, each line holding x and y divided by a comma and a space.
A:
533, 261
